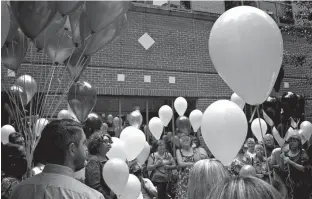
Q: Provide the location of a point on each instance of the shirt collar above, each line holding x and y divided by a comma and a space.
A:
58, 169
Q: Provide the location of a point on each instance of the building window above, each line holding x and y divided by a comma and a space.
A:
186, 5
231, 4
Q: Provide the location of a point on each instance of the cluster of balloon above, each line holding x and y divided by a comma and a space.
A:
262, 57
136, 119
82, 98
116, 174
196, 119
28, 84
259, 128
64, 114
238, 100
156, 127
19, 94
305, 131
117, 149
165, 114
183, 124
6, 130
94, 121
132, 189
224, 129
180, 105
39, 126
116, 121
13, 53
134, 140
59, 28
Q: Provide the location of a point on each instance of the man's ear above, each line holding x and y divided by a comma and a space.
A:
72, 149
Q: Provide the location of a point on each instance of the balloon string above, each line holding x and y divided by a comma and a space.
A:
73, 78
265, 152
252, 115
45, 100
51, 72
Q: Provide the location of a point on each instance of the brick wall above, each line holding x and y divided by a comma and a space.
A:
180, 50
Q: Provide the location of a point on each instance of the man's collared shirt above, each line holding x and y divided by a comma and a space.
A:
54, 182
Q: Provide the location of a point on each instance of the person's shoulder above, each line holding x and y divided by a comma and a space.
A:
87, 191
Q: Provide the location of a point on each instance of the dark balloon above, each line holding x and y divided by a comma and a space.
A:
33, 16
77, 63
19, 94
67, 7
13, 26
94, 121
74, 19
279, 80
99, 40
13, 53
184, 125
60, 46
82, 99
29, 84
5, 21
102, 13
56, 24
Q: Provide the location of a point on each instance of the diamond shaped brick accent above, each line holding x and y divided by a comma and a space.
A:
146, 41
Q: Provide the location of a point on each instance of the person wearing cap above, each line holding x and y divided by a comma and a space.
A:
296, 179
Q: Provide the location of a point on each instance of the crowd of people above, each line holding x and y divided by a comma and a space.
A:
179, 167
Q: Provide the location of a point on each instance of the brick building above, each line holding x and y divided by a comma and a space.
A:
178, 64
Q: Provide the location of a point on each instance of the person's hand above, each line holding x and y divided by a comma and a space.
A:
286, 160
260, 175
167, 166
159, 163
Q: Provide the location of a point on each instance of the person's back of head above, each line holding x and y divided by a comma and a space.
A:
243, 188
14, 162
16, 138
62, 142
204, 174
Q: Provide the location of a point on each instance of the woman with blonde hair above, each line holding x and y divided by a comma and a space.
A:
203, 176
243, 187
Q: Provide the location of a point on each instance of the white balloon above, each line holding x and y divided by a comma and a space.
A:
238, 100
39, 126
303, 139
224, 128
142, 157
117, 149
156, 127
256, 129
306, 126
133, 188
180, 105
134, 140
165, 114
250, 60
195, 119
6, 130
116, 174
140, 196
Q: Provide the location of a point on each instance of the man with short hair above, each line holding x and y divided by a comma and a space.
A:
62, 148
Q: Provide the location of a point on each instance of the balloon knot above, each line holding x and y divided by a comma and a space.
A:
66, 29
63, 15
76, 45
92, 32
